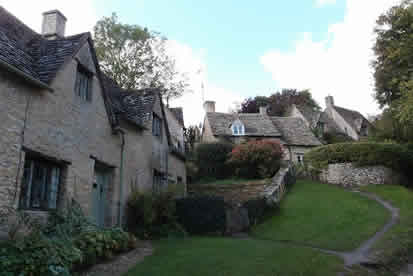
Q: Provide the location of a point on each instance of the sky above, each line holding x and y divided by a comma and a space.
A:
237, 49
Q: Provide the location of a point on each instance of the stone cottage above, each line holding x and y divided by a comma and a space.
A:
292, 132
68, 132
334, 120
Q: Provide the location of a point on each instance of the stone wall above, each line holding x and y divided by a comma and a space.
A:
274, 192
235, 193
347, 175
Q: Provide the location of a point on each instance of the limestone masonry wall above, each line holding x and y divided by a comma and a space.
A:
347, 174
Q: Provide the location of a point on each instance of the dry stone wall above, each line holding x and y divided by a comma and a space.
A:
348, 175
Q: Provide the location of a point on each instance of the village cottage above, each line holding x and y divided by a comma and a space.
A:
68, 132
334, 120
292, 132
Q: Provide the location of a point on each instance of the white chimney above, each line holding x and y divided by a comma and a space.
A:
209, 106
263, 110
54, 24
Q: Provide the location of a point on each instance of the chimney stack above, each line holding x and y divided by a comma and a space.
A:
54, 24
209, 106
329, 101
263, 110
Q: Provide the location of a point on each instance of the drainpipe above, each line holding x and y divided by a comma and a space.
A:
122, 150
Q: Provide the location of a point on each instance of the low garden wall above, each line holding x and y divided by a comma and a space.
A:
347, 175
246, 203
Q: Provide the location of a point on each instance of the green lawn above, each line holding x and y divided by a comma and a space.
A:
318, 214
231, 257
324, 216
397, 244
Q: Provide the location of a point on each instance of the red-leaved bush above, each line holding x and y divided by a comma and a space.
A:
256, 158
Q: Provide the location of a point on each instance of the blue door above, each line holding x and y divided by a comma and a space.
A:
99, 188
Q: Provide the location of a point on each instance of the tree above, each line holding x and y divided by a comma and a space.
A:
279, 102
136, 58
192, 136
393, 68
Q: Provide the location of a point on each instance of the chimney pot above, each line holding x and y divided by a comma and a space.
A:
54, 24
209, 106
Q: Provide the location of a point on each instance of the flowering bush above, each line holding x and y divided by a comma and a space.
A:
256, 158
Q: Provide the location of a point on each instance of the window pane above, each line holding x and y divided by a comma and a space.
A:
54, 185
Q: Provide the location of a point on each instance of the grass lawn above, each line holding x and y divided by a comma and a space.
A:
397, 244
318, 214
324, 216
231, 257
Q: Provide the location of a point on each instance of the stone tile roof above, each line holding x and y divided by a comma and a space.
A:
330, 123
179, 114
295, 131
351, 117
312, 116
29, 52
255, 124
135, 106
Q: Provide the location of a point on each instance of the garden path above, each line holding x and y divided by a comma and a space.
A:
122, 263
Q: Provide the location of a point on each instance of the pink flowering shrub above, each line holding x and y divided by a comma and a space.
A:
256, 159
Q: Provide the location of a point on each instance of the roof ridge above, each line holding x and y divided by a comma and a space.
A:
19, 21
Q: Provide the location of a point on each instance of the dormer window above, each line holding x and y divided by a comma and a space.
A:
238, 128
83, 85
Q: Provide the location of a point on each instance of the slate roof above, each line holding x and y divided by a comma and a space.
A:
29, 52
134, 106
179, 114
295, 131
255, 124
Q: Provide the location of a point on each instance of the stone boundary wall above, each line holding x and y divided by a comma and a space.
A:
274, 193
349, 175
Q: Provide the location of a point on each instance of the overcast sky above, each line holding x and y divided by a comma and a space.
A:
241, 49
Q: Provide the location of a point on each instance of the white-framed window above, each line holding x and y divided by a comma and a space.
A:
238, 128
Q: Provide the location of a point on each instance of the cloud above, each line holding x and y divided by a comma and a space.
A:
81, 14
193, 63
338, 65
325, 2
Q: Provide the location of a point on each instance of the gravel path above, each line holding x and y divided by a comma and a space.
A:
122, 263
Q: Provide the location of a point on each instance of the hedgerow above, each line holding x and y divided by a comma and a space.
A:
395, 156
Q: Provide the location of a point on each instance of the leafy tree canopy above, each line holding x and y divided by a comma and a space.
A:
278, 102
393, 68
136, 58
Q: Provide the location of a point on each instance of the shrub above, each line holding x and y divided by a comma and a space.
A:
102, 244
257, 209
38, 255
395, 156
67, 242
256, 159
211, 160
202, 214
152, 216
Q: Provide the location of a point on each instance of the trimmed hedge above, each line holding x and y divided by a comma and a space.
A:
211, 160
202, 214
394, 156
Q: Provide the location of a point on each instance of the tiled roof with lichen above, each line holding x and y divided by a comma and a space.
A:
134, 106
30, 53
255, 124
295, 131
